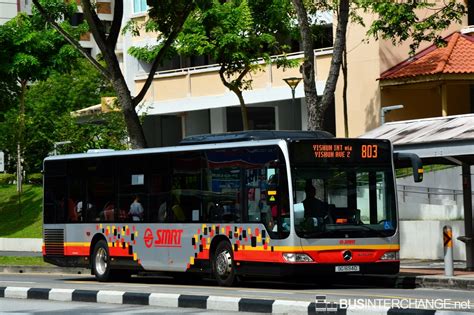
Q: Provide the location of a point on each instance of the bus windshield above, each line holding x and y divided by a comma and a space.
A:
346, 197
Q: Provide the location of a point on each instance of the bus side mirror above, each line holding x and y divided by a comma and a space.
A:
415, 161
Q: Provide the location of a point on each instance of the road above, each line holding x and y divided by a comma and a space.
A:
37, 307
334, 292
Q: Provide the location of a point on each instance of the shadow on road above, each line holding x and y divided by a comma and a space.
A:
333, 282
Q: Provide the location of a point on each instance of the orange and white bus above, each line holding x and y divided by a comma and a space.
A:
264, 203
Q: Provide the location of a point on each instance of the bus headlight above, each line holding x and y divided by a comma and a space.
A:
296, 258
390, 256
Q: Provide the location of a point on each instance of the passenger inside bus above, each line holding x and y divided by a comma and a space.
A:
108, 212
177, 210
136, 210
313, 207
71, 211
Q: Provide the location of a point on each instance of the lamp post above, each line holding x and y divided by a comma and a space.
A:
292, 83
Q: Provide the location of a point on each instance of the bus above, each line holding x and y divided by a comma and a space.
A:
256, 203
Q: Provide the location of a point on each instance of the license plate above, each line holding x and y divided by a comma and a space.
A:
349, 268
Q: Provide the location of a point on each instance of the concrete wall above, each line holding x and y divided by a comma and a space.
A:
422, 219
416, 211
424, 239
21, 244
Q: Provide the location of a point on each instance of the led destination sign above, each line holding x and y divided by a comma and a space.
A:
332, 151
341, 151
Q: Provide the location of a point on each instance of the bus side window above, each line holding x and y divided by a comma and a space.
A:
186, 185
54, 201
223, 197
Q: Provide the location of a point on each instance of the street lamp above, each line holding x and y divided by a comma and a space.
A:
292, 83
387, 109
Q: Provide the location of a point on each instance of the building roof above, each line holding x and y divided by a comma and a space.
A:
431, 138
457, 57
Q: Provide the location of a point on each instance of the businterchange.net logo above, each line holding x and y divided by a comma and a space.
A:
322, 305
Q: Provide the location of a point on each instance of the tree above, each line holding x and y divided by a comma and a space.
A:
396, 21
170, 16
238, 34
30, 52
48, 117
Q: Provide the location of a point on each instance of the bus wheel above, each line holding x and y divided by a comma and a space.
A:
100, 261
223, 264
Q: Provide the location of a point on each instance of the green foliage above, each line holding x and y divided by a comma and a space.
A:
48, 119
7, 178
399, 21
236, 34
166, 17
29, 224
148, 53
31, 49
35, 179
22, 261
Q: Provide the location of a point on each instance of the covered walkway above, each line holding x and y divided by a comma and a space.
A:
441, 140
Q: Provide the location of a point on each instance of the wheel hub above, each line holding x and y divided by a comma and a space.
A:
101, 261
224, 263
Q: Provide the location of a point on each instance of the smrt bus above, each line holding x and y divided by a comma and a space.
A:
261, 203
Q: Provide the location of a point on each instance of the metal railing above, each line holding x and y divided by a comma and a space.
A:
215, 67
430, 192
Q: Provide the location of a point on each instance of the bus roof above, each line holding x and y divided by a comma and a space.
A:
225, 140
290, 135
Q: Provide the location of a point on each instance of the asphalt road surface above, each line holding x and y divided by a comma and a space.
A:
38, 307
298, 291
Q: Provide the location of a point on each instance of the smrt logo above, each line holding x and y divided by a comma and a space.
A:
164, 238
347, 242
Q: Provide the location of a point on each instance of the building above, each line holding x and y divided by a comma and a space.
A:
187, 96
370, 88
10, 8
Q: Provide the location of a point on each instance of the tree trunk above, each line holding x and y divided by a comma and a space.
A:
243, 109
336, 61
308, 69
344, 93
234, 87
134, 127
316, 110
21, 127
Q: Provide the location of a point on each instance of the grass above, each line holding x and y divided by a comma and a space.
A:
404, 172
28, 224
22, 261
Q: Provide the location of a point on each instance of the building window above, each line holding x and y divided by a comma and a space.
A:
139, 6
77, 18
260, 118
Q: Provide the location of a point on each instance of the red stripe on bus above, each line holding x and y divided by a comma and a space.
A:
76, 250
336, 256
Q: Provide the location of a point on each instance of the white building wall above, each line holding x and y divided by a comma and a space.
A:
425, 208
424, 239
8, 10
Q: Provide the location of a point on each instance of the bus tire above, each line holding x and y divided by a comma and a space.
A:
101, 261
223, 266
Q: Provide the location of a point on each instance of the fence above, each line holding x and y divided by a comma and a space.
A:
429, 194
